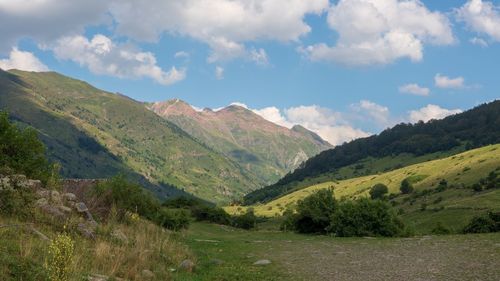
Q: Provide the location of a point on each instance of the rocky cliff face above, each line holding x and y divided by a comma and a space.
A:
265, 148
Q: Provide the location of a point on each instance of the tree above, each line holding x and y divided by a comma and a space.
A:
378, 191
406, 187
21, 151
314, 212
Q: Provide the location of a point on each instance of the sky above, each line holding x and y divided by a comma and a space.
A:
343, 69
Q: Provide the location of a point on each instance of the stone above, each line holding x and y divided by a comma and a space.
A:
86, 230
64, 209
36, 184
147, 274
97, 277
42, 202
53, 211
55, 197
81, 207
119, 235
69, 196
43, 193
187, 265
262, 262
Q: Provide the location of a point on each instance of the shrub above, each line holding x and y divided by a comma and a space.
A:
365, 217
314, 212
174, 219
16, 200
22, 151
211, 214
378, 191
60, 258
246, 221
443, 185
477, 187
126, 197
484, 224
406, 187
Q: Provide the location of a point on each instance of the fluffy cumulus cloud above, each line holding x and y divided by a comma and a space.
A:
414, 89
23, 61
328, 124
369, 112
225, 25
219, 72
102, 56
380, 32
482, 17
46, 20
446, 82
431, 111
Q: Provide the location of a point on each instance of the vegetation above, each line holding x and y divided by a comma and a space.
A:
321, 213
406, 187
378, 191
60, 258
484, 223
474, 128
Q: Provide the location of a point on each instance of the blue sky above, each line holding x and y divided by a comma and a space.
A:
341, 68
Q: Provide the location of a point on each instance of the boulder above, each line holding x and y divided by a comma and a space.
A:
53, 211
69, 197
55, 198
87, 230
43, 193
42, 202
64, 209
262, 262
81, 207
97, 277
187, 265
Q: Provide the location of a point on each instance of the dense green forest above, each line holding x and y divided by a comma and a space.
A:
474, 128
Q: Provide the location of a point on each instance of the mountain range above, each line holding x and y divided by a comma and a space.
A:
215, 155
258, 145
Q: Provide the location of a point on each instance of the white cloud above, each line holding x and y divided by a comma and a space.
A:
380, 32
181, 54
46, 20
414, 89
446, 82
481, 17
479, 41
431, 111
219, 73
371, 112
23, 61
102, 56
225, 25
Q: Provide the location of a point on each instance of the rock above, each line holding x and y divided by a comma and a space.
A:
81, 207
42, 202
97, 277
69, 197
43, 193
36, 184
262, 262
119, 235
89, 216
53, 211
187, 265
55, 198
86, 230
64, 209
147, 274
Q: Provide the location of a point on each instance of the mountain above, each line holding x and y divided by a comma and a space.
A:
264, 148
96, 134
394, 148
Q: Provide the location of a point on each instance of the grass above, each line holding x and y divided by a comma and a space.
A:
303, 257
23, 254
461, 169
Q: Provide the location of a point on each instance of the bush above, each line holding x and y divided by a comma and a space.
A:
484, 224
365, 217
314, 212
406, 187
174, 219
22, 151
60, 258
443, 185
126, 197
246, 221
16, 200
211, 214
378, 191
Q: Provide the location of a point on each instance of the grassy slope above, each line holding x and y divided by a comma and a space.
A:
459, 204
124, 130
23, 254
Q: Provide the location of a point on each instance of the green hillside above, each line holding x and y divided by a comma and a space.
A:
97, 134
267, 149
455, 207
402, 145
